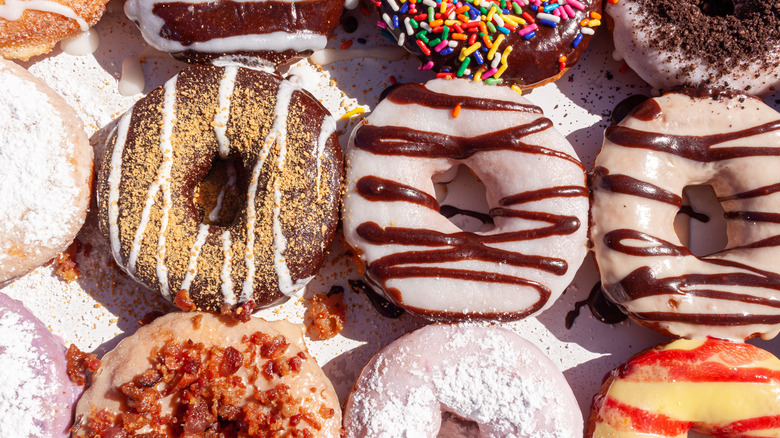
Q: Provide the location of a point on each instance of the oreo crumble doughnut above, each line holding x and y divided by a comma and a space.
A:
523, 42
188, 374
47, 172
714, 43
693, 137
535, 188
222, 187
198, 31
487, 375
32, 27
716, 388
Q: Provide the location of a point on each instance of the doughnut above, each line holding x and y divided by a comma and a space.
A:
33, 27
36, 397
520, 44
221, 188
713, 43
486, 375
714, 387
200, 31
47, 172
197, 374
535, 188
691, 137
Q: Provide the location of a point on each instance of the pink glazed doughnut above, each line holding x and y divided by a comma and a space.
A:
487, 375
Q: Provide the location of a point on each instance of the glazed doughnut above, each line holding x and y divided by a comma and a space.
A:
47, 172
486, 375
36, 397
223, 183
713, 387
198, 31
714, 43
33, 27
186, 374
693, 137
535, 187
528, 43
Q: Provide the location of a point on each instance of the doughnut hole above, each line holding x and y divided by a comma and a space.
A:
218, 197
700, 224
462, 199
716, 8
453, 426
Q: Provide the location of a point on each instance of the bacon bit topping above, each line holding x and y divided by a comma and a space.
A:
209, 395
196, 320
67, 266
240, 312
183, 300
80, 363
326, 312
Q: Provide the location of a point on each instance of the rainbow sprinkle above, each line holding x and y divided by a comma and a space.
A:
476, 30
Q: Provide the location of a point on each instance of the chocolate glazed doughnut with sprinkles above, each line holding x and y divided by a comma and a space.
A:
526, 43
221, 188
691, 137
535, 188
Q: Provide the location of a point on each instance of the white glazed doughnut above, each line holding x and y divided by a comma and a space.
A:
487, 375
716, 43
731, 142
197, 374
47, 171
535, 188
36, 397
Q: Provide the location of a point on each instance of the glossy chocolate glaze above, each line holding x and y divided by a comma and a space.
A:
531, 61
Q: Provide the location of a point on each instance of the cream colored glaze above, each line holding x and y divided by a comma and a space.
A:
12, 10
131, 358
610, 211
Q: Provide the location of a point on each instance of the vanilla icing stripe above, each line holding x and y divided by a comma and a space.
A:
166, 147
222, 116
225, 276
114, 179
192, 265
328, 128
12, 10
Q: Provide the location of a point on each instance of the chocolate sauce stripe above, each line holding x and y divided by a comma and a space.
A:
378, 189
753, 216
544, 193
631, 186
614, 240
708, 318
397, 140
413, 93
755, 193
696, 148
561, 225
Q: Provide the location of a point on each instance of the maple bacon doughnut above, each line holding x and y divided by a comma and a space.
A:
486, 375
535, 188
728, 141
221, 188
195, 374
713, 387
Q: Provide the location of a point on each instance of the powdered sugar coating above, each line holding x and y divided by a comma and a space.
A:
47, 166
488, 375
36, 397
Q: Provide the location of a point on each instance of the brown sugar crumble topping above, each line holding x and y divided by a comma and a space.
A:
209, 394
326, 316
79, 364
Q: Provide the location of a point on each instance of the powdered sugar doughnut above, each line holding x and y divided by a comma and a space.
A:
47, 171
196, 374
36, 397
535, 188
487, 375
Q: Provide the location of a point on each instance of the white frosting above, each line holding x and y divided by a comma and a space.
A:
132, 81
85, 43
328, 128
114, 179
329, 56
226, 85
12, 10
227, 280
192, 265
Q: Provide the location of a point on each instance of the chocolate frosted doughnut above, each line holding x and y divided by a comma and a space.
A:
224, 182
729, 141
522, 42
535, 187
199, 31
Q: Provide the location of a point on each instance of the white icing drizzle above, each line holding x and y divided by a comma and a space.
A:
151, 26
328, 128
132, 81
192, 265
85, 43
278, 132
226, 86
329, 56
231, 182
12, 10
114, 178
227, 280
286, 284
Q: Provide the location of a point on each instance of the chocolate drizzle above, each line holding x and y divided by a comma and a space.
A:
417, 94
632, 186
600, 307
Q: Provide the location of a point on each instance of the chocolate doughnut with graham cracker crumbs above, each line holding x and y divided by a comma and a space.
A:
220, 188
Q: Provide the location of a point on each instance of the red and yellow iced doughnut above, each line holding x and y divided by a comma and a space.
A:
716, 388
